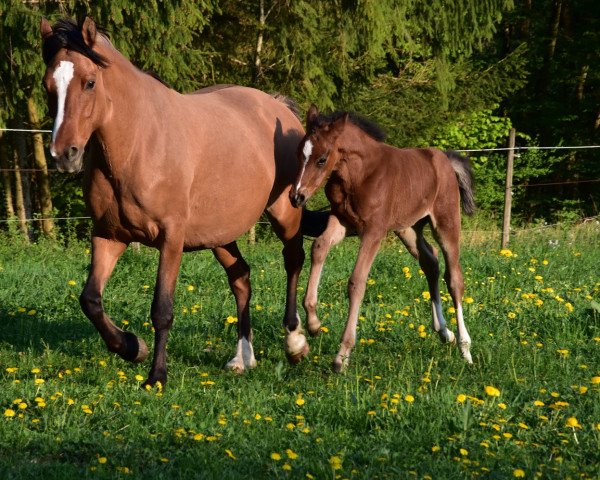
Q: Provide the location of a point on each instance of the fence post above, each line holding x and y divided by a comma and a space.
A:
508, 189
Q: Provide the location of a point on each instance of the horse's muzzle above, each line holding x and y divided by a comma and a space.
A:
298, 199
70, 160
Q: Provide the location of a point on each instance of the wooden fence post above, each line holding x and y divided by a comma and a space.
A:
508, 189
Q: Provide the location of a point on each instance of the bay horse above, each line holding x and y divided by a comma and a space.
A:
175, 172
374, 188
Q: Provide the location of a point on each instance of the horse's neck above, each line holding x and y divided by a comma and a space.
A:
357, 161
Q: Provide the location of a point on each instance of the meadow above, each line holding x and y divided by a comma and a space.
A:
407, 407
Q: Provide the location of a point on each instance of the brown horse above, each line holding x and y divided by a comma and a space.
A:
174, 172
374, 188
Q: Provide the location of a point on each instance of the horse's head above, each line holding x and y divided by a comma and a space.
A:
73, 82
318, 155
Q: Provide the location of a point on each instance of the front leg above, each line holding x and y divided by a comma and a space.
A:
171, 252
334, 233
369, 246
105, 254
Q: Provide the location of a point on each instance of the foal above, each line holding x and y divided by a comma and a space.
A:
374, 188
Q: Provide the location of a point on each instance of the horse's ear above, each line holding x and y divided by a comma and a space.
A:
312, 117
45, 28
88, 30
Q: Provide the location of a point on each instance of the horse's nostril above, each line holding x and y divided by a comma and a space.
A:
72, 152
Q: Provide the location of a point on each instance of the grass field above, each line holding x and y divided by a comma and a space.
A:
408, 406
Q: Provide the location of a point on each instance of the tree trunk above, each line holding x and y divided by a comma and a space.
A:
19, 199
6, 185
43, 182
550, 49
259, 43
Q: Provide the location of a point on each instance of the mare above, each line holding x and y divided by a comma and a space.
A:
174, 172
374, 188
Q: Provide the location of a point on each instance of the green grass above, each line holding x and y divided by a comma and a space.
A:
408, 406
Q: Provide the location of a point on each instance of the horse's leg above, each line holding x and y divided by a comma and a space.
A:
447, 233
426, 254
285, 220
238, 274
105, 254
369, 246
334, 233
169, 262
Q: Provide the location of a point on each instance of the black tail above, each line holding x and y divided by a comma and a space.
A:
464, 175
314, 222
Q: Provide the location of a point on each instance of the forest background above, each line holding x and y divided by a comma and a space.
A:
453, 74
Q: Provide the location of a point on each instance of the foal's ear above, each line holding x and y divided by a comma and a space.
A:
88, 30
45, 28
312, 117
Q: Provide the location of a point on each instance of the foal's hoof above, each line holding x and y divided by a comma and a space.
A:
339, 365
314, 331
136, 349
447, 336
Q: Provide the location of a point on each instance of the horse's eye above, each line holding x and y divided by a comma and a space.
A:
90, 84
321, 161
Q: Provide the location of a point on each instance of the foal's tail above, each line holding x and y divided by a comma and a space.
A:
464, 175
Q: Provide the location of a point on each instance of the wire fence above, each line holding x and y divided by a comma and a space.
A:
474, 150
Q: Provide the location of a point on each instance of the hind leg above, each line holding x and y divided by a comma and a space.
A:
447, 233
238, 274
419, 248
285, 220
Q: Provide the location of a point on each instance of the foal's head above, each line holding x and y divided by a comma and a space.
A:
317, 154
73, 82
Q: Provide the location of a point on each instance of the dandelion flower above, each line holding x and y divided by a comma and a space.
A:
291, 454
275, 456
518, 473
9, 412
409, 398
102, 460
572, 422
230, 454
300, 401
461, 397
595, 380
335, 462
492, 391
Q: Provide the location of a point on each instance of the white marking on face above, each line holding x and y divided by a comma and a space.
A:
307, 151
62, 76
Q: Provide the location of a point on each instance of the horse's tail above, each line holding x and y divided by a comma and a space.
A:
313, 222
464, 175
290, 103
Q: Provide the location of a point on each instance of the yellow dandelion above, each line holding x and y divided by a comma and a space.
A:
518, 473
595, 380
190, 288
335, 462
231, 320
492, 391
464, 452
72, 282
461, 397
436, 448
291, 454
287, 467
409, 398
102, 460
300, 401
9, 412
275, 456
572, 422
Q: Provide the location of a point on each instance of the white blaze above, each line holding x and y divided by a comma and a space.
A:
62, 76
307, 151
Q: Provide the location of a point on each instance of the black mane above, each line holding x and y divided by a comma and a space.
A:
366, 125
67, 34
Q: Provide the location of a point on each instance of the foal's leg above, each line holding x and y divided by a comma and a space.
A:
285, 220
169, 262
238, 274
334, 233
419, 248
369, 246
105, 254
447, 232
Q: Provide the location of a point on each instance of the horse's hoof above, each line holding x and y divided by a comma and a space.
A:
338, 366
465, 351
136, 350
235, 366
294, 358
314, 332
447, 336
296, 347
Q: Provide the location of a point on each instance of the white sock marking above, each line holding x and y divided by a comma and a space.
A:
62, 76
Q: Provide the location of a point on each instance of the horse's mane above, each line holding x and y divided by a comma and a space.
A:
66, 33
366, 125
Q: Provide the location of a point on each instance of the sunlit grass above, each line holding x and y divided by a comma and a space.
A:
408, 406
